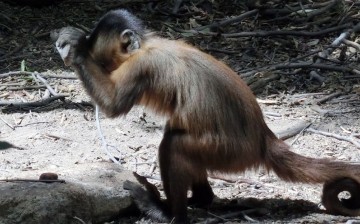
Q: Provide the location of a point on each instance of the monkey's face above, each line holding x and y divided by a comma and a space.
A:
105, 51
111, 50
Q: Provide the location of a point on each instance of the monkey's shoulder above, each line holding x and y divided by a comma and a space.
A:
156, 43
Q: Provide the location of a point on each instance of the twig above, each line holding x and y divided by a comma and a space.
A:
329, 97
126, 2
285, 11
339, 137
267, 102
287, 32
39, 122
320, 10
55, 137
226, 22
236, 214
80, 220
4, 75
272, 114
315, 75
14, 84
336, 43
32, 180
33, 104
300, 133
351, 44
292, 131
12, 127
61, 76
153, 166
267, 33
27, 87
176, 6
309, 65
16, 49
300, 95
104, 143
331, 112
262, 68
51, 90
157, 178
220, 50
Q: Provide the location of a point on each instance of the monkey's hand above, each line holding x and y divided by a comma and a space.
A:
68, 41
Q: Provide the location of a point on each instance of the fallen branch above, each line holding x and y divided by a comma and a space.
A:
33, 104
336, 43
80, 220
12, 127
263, 68
285, 11
260, 84
331, 112
329, 97
4, 75
287, 65
350, 139
287, 32
51, 90
351, 44
32, 180
293, 130
320, 11
226, 22
300, 133
27, 87
55, 137
266, 33
232, 215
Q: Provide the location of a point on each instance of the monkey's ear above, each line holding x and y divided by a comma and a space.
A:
130, 40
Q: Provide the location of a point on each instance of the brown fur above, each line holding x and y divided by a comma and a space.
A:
214, 122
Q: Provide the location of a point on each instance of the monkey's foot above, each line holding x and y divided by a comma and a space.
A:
147, 201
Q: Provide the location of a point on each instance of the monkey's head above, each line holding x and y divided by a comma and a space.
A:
115, 38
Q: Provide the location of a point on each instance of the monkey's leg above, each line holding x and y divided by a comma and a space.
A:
202, 194
177, 172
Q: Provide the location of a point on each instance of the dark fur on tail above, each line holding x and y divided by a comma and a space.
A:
336, 176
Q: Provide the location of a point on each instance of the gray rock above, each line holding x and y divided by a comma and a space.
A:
92, 193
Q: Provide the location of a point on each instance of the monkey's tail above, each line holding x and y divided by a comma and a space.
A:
336, 176
293, 167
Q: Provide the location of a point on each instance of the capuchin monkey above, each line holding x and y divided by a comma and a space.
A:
214, 122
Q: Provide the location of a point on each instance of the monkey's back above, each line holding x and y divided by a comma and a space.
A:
207, 99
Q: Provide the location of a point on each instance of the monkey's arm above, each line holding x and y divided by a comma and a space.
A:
115, 93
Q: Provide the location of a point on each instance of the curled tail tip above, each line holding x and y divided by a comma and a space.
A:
337, 177
342, 206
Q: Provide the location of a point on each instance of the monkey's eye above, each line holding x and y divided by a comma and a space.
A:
103, 64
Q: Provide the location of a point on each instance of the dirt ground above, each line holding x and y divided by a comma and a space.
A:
64, 134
